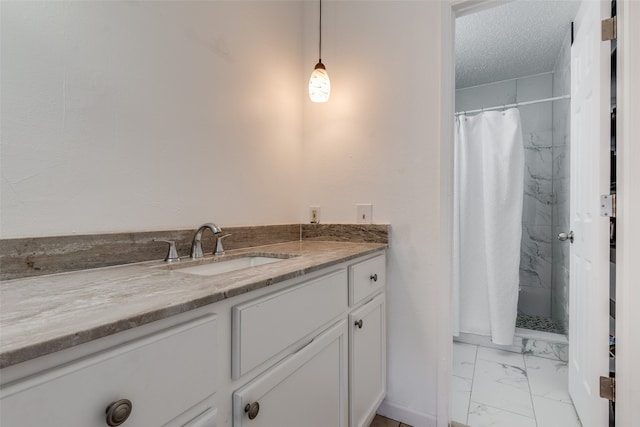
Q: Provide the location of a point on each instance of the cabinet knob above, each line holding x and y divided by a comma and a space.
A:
118, 412
359, 324
373, 277
252, 409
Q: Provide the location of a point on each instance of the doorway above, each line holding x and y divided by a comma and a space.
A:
506, 58
627, 130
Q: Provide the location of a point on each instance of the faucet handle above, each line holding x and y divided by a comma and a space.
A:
172, 255
219, 248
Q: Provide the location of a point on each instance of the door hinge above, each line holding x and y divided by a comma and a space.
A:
608, 205
608, 388
609, 29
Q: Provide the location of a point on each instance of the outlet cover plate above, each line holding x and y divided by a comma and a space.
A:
364, 213
314, 214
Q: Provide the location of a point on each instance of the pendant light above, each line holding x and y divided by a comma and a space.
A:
319, 85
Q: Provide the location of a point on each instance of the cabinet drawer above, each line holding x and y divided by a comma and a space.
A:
308, 388
267, 326
366, 278
163, 375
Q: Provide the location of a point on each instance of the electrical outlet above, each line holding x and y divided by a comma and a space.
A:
364, 213
314, 214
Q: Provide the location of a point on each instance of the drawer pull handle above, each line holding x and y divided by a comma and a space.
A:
118, 412
373, 277
252, 409
359, 324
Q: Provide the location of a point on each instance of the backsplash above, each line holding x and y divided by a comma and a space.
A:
37, 256
361, 233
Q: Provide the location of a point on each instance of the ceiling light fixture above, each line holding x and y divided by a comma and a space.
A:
319, 85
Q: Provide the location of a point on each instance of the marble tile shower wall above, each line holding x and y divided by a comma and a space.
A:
561, 157
536, 250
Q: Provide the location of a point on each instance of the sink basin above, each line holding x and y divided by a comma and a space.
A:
226, 266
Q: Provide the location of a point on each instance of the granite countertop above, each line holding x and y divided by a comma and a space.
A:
45, 314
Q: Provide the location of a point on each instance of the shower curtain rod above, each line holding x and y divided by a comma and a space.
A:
517, 104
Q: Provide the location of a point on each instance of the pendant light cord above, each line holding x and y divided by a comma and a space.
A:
320, 34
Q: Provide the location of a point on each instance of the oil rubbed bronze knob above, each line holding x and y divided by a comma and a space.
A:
359, 324
252, 409
373, 277
118, 412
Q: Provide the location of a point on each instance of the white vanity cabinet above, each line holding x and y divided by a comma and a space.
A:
164, 379
308, 351
313, 371
308, 388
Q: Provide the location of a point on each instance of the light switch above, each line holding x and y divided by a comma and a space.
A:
364, 213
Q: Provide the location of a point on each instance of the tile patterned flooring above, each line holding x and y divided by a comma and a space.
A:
498, 388
539, 323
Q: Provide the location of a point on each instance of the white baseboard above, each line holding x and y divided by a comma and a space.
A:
406, 415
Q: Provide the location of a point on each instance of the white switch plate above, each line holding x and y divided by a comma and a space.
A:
364, 213
314, 214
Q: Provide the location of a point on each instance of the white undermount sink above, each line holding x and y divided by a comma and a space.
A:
225, 266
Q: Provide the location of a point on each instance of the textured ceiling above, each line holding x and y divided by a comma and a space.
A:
516, 39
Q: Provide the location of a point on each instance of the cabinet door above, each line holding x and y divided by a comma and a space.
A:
253, 340
162, 375
309, 388
367, 361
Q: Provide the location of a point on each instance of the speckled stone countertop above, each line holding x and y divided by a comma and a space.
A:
45, 314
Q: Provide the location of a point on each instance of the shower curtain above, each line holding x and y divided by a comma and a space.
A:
488, 197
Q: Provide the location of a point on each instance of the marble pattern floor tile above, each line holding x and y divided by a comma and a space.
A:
464, 359
552, 413
461, 397
488, 416
502, 385
501, 356
548, 378
547, 349
509, 389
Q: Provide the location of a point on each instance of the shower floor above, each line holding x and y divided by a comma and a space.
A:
539, 323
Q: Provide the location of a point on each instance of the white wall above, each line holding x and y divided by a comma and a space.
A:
377, 141
121, 116
149, 115
132, 116
628, 226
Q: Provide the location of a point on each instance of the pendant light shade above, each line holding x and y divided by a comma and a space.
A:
319, 84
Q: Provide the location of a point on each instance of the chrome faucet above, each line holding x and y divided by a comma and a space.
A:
196, 245
219, 248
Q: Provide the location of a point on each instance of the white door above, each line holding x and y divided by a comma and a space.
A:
589, 282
